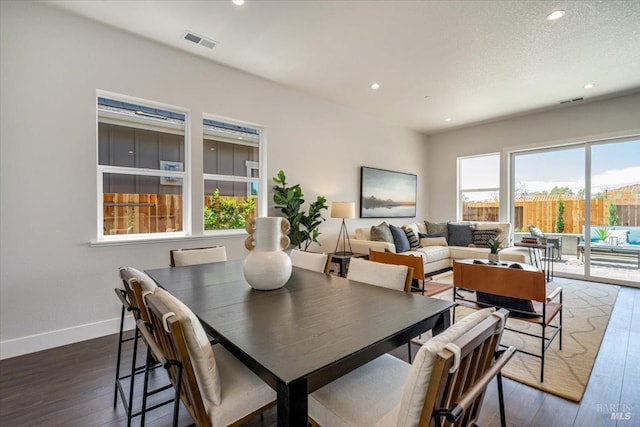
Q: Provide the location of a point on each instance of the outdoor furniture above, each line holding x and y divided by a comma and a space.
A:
306, 334
447, 380
621, 250
519, 290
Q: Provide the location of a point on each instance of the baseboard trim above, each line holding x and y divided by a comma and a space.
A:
38, 342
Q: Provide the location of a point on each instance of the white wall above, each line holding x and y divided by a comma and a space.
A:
55, 288
587, 122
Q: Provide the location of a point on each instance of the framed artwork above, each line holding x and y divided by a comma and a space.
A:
166, 165
387, 194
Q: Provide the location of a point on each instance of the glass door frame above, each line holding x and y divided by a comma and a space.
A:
510, 158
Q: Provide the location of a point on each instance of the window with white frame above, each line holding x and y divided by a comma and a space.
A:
232, 170
142, 173
479, 187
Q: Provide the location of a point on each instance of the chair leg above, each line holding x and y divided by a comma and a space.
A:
542, 355
503, 418
409, 351
145, 389
133, 377
119, 355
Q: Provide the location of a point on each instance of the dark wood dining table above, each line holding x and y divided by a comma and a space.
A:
306, 334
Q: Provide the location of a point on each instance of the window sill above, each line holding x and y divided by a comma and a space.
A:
173, 237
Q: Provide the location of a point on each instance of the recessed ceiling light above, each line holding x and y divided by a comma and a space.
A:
130, 151
212, 149
448, 119
556, 14
375, 86
589, 86
238, 2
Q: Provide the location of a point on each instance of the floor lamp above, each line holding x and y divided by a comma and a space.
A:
343, 210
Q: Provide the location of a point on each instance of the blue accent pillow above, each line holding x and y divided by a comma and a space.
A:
634, 236
400, 239
459, 235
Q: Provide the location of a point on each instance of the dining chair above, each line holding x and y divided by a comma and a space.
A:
397, 277
131, 278
194, 256
390, 276
214, 386
447, 380
311, 261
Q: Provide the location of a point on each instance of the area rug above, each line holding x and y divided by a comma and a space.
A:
586, 313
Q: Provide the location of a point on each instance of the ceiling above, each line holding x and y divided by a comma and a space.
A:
470, 61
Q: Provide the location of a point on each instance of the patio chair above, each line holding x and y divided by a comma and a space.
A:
447, 380
215, 387
194, 256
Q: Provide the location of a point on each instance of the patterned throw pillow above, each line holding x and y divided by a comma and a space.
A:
414, 243
381, 233
399, 239
481, 237
459, 235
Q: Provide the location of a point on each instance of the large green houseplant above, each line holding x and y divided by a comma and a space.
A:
304, 225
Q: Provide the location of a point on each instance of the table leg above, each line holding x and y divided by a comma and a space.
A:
444, 321
292, 403
343, 267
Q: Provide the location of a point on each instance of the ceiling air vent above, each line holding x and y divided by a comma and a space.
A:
568, 101
202, 41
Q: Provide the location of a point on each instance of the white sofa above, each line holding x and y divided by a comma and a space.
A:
440, 258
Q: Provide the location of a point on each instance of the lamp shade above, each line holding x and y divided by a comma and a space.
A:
343, 210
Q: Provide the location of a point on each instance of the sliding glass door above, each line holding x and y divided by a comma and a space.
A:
585, 199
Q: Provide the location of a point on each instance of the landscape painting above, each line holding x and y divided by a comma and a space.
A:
387, 194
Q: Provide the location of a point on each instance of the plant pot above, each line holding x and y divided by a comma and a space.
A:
267, 267
494, 257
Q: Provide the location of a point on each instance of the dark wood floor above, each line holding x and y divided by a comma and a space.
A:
73, 386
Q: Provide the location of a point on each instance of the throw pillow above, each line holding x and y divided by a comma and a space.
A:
524, 306
433, 228
381, 233
399, 239
535, 231
433, 241
414, 243
481, 237
459, 234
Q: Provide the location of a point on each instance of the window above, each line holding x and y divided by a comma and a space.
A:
479, 187
231, 154
142, 172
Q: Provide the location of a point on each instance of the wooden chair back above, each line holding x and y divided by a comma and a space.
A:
458, 392
414, 262
194, 256
170, 339
127, 294
497, 280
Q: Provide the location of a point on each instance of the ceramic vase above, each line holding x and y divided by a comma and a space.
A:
267, 266
494, 257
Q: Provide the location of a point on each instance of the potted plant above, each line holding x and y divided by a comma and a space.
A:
601, 233
494, 247
304, 225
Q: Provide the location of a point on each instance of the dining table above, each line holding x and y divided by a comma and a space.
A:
313, 330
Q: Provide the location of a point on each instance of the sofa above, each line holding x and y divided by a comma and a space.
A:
437, 247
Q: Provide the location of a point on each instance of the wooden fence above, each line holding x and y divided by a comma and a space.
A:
543, 214
127, 213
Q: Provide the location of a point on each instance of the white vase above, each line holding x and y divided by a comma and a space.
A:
267, 267
494, 257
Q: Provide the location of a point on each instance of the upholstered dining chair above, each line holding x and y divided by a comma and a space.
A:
311, 261
397, 277
194, 256
390, 276
214, 386
133, 281
447, 380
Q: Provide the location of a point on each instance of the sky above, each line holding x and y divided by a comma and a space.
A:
613, 165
